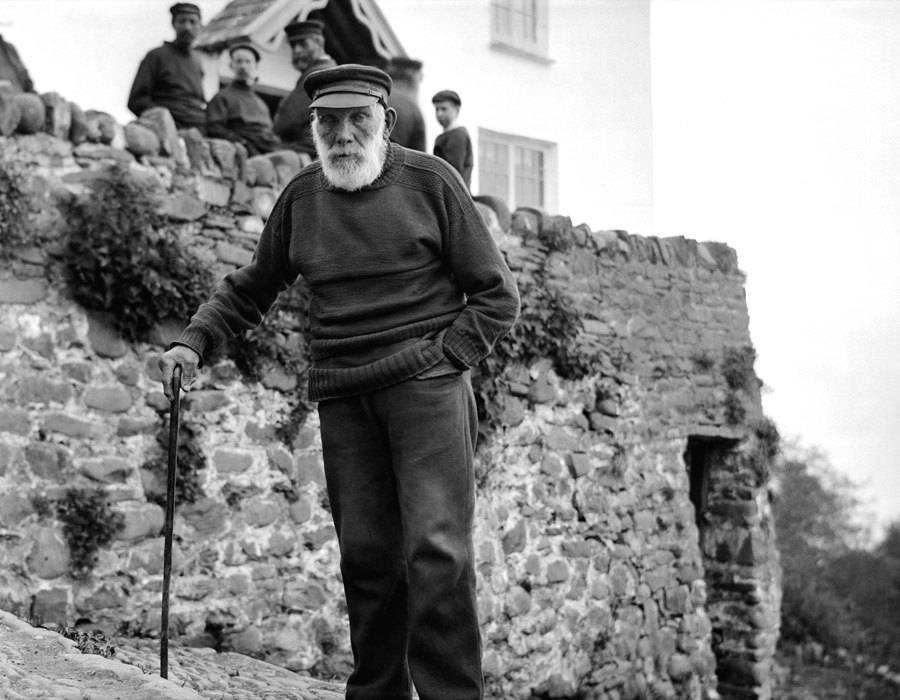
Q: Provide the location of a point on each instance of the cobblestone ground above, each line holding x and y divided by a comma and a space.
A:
38, 663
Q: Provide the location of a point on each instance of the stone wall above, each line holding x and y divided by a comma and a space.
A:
607, 568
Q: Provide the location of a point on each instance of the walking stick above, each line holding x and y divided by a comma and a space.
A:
170, 521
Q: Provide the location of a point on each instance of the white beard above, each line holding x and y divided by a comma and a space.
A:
355, 172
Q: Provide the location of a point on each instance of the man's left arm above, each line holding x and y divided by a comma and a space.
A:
492, 297
140, 99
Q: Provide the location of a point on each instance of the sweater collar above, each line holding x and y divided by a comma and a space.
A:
393, 162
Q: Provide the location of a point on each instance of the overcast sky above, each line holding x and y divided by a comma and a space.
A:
777, 131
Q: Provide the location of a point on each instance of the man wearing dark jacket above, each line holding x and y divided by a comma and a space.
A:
307, 40
171, 76
410, 128
409, 292
236, 112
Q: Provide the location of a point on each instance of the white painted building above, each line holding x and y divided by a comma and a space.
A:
556, 93
569, 79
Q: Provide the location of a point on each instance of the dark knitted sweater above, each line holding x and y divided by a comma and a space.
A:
403, 274
292, 116
455, 147
171, 76
238, 114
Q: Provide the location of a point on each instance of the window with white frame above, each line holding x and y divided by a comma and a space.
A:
519, 170
520, 26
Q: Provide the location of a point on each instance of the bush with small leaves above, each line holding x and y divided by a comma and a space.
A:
123, 258
89, 524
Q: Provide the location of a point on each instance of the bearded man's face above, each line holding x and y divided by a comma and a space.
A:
351, 144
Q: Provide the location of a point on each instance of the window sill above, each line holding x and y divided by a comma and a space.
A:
532, 55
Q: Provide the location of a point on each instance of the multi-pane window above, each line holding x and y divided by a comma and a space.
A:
519, 170
520, 25
529, 171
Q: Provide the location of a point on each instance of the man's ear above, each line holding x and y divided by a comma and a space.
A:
390, 119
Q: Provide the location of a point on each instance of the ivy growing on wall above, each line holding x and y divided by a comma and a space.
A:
89, 524
123, 258
191, 462
740, 377
14, 208
281, 341
549, 327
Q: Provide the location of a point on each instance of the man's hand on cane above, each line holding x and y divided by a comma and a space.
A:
179, 356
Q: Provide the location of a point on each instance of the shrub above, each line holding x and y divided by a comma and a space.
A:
548, 328
92, 642
737, 367
281, 340
122, 258
89, 524
14, 208
191, 460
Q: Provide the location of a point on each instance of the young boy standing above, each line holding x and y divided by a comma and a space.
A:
454, 144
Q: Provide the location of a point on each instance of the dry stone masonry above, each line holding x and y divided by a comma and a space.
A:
624, 536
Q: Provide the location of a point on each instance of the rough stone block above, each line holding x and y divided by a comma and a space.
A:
249, 641
216, 193
514, 539
148, 555
15, 421
199, 153
557, 571
143, 521
58, 115
141, 140
232, 254
104, 337
277, 379
69, 425
207, 516
310, 468
47, 459
159, 121
49, 556
280, 544
579, 464
29, 291
107, 470
262, 201
10, 113
252, 224
287, 159
518, 601
51, 606
224, 154
205, 401
232, 461
7, 454
184, 207
110, 399
32, 113
260, 172
300, 511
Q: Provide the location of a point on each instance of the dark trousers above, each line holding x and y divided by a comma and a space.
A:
398, 464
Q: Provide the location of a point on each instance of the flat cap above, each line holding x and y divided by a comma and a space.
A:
308, 27
242, 43
182, 8
349, 85
447, 96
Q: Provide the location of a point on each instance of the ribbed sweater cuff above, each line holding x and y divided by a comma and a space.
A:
461, 350
196, 339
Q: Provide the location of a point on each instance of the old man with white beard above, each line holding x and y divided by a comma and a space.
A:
409, 292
